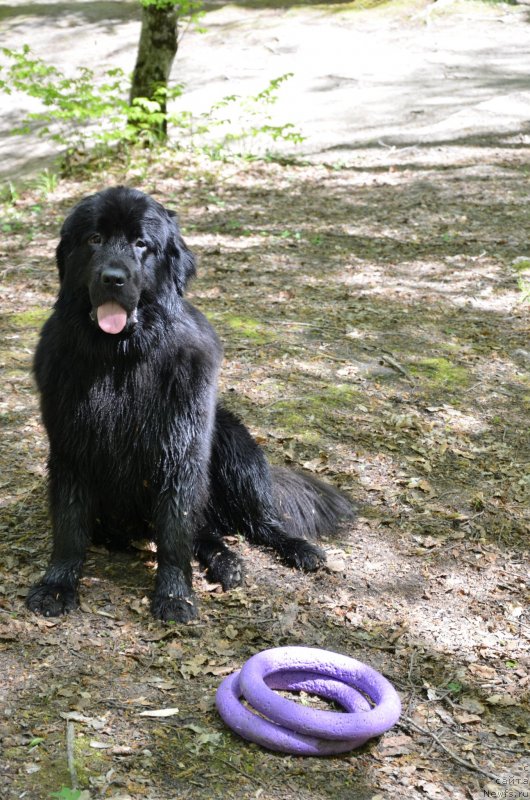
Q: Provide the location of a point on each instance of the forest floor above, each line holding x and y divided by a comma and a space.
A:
376, 326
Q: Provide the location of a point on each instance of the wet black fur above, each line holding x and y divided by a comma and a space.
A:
138, 444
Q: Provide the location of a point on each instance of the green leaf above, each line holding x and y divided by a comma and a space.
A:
36, 741
67, 794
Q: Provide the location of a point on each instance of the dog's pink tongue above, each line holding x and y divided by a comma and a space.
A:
112, 318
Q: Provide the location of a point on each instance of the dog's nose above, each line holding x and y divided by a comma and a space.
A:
114, 276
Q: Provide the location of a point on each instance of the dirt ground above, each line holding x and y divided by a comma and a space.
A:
397, 73
375, 318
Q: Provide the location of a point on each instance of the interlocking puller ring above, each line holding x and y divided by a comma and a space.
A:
276, 737
292, 728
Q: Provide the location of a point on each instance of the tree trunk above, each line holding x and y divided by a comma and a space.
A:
156, 52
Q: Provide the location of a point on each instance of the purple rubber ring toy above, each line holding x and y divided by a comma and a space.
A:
292, 728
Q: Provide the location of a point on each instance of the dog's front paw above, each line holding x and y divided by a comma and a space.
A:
169, 608
51, 599
303, 555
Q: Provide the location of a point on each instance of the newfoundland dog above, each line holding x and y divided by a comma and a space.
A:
127, 373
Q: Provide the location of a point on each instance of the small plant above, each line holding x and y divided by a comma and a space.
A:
10, 193
522, 269
70, 103
243, 125
82, 113
46, 182
190, 10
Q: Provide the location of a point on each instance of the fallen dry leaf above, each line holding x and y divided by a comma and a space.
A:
159, 712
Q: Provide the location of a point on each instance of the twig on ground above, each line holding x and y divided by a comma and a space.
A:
284, 400
237, 769
520, 751
391, 648
70, 759
391, 362
459, 760
411, 667
394, 149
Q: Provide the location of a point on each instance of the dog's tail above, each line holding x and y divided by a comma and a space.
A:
308, 507
270, 506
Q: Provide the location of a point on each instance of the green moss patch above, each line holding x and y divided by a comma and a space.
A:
297, 412
245, 327
250, 328
441, 372
32, 318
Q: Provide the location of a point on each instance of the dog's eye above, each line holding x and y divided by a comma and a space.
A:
140, 244
96, 238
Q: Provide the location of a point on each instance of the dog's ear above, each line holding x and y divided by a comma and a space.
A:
67, 234
180, 259
61, 254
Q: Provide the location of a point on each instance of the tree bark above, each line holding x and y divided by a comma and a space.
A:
156, 52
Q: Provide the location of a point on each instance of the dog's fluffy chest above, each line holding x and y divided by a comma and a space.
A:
121, 411
117, 417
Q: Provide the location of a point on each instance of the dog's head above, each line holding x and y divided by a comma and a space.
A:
125, 250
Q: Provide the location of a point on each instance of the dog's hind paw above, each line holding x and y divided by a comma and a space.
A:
174, 609
226, 568
51, 599
302, 554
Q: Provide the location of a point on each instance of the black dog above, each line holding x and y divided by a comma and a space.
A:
127, 372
